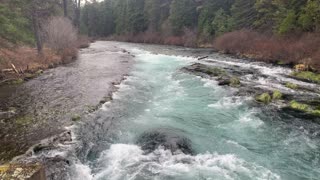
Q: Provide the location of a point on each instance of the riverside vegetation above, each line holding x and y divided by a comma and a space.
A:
277, 31
36, 35
283, 32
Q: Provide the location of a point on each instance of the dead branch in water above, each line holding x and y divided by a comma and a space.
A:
204, 57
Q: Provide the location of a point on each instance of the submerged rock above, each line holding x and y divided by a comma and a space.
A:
150, 141
206, 71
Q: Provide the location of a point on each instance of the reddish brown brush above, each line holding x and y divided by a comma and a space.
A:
292, 49
26, 59
188, 39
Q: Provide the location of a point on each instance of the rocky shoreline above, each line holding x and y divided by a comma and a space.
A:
304, 102
35, 113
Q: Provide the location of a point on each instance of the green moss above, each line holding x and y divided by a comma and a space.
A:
281, 62
24, 120
76, 117
235, 82
304, 108
276, 95
17, 81
291, 85
215, 71
299, 106
307, 75
316, 112
264, 98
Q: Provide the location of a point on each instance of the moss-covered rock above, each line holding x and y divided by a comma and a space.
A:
299, 106
292, 86
199, 69
315, 112
276, 95
235, 82
306, 108
75, 118
264, 98
307, 76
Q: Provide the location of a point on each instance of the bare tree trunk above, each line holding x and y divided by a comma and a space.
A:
65, 8
36, 30
77, 13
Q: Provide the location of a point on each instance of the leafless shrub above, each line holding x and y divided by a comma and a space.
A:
294, 49
60, 34
190, 38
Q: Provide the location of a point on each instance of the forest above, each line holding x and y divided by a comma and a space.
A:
271, 30
278, 31
203, 18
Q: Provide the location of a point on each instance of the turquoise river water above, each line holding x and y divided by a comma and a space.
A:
231, 137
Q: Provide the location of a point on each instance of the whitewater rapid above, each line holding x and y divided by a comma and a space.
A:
232, 138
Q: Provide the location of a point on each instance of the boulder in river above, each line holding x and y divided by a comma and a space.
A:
150, 141
204, 70
229, 81
264, 98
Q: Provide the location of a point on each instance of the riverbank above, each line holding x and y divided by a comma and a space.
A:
44, 106
22, 63
290, 50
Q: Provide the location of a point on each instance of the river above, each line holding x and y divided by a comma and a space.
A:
229, 135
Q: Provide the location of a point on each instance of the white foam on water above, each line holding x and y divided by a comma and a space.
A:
209, 83
124, 161
268, 70
271, 71
249, 119
235, 144
229, 102
81, 172
174, 87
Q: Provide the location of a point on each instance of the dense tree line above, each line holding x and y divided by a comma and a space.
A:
207, 18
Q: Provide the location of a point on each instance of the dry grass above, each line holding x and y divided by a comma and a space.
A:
27, 59
302, 49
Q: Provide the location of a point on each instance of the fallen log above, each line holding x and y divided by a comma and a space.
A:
7, 70
204, 57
